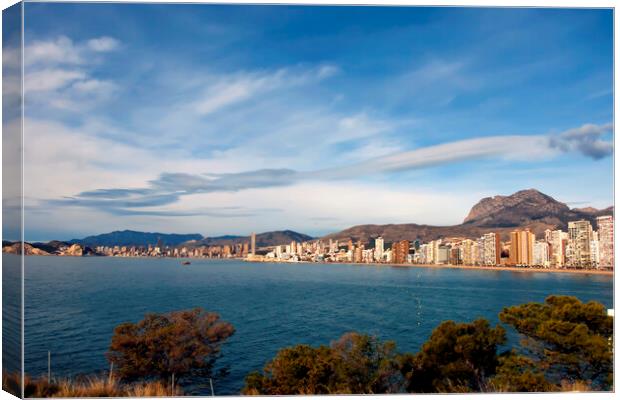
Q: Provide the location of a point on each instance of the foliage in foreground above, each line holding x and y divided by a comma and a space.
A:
567, 338
183, 343
457, 357
353, 364
86, 387
567, 346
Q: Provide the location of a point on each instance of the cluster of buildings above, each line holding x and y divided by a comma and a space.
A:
581, 247
238, 250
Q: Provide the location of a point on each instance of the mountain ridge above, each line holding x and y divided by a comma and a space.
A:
527, 208
265, 239
135, 238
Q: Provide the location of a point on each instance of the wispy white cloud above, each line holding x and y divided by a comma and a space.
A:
170, 187
600, 93
235, 88
103, 44
50, 79
59, 73
204, 135
64, 51
60, 50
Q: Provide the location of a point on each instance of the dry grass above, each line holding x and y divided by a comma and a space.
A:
152, 389
575, 386
88, 387
84, 387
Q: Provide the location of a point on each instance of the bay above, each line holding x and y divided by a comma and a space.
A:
72, 304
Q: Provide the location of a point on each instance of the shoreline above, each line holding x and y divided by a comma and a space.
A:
448, 266
436, 266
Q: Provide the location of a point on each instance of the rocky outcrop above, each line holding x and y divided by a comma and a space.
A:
29, 250
74, 250
517, 209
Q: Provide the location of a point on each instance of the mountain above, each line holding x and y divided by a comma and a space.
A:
134, 238
280, 237
502, 214
517, 209
528, 208
265, 239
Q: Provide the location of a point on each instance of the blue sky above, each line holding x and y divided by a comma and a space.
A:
231, 119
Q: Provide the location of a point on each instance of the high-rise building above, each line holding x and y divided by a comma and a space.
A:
557, 243
435, 257
480, 251
492, 249
605, 225
522, 247
595, 253
333, 246
467, 252
253, 244
400, 251
443, 254
540, 256
379, 248
357, 254
580, 236
475, 252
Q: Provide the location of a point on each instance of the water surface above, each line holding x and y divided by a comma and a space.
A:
74, 303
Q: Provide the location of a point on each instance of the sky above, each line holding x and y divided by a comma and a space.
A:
219, 120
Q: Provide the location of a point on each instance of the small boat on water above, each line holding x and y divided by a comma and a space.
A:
185, 263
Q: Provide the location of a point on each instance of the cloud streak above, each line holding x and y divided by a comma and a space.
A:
241, 87
168, 188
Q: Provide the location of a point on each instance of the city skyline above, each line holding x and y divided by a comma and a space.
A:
580, 248
255, 115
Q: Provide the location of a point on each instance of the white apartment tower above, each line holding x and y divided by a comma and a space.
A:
379, 248
605, 225
580, 237
492, 250
541, 253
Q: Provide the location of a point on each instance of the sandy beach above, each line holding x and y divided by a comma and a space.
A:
448, 266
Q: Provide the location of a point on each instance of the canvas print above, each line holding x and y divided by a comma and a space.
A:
219, 199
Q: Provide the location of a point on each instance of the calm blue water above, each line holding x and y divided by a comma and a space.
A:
73, 304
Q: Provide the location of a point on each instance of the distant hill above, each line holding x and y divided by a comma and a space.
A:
134, 238
524, 209
502, 214
265, 239
51, 247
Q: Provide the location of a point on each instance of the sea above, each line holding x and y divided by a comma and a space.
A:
72, 305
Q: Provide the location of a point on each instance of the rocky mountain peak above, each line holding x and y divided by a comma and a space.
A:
516, 209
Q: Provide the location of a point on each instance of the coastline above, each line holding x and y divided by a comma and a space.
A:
437, 266
449, 266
